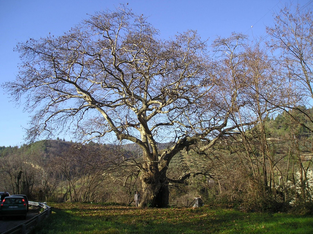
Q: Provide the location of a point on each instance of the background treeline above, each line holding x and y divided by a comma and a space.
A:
266, 167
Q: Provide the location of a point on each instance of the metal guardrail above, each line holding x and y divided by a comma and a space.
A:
26, 226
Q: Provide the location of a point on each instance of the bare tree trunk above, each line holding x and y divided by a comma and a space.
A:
155, 191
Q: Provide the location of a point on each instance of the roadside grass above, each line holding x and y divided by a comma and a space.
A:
97, 218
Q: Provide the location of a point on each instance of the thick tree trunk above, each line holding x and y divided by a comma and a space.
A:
155, 192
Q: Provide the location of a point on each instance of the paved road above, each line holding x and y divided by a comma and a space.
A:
11, 222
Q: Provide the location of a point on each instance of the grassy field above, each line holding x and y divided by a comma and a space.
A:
95, 218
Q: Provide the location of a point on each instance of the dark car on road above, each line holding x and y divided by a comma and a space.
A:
13, 206
26, 199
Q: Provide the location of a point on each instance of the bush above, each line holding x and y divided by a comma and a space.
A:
302, 208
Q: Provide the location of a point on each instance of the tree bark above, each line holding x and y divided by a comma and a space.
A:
155, 191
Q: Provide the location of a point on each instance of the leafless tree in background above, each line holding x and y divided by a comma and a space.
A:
292, 46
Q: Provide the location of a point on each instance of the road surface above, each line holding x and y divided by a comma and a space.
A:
11, 222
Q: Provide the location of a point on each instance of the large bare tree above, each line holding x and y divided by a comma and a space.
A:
113, 76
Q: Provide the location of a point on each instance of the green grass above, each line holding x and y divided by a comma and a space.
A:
95, 218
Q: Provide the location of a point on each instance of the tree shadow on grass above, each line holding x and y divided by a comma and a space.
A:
69, 221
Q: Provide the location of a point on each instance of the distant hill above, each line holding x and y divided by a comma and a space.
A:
50, 148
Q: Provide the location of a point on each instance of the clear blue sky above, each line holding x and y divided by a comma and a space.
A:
24, 19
